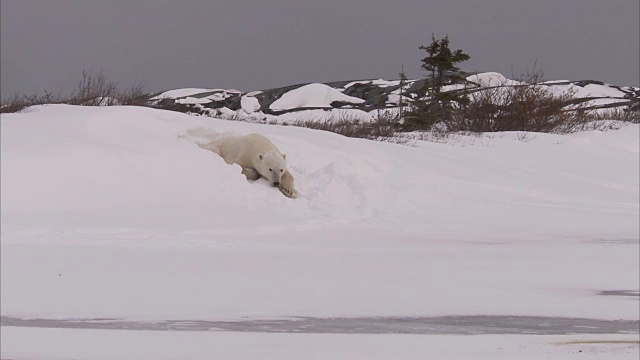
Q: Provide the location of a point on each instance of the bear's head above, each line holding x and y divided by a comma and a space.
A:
272, 165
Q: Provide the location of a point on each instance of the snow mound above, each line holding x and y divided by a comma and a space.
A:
312, 95
249, 104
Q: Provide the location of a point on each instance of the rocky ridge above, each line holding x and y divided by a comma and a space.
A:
370, 95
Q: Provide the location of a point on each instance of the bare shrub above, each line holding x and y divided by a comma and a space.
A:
95, 90
618, 114
92, 90
18, 103
529, 107
382, 127
601, 125
231, 116
136, 95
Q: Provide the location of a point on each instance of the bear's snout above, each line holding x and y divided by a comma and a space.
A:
275, 183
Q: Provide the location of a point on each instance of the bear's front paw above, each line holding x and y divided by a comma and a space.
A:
287, 186
250, 173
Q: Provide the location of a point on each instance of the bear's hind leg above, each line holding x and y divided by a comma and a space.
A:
250, 173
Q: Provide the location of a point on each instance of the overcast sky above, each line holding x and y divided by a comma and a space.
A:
250, 45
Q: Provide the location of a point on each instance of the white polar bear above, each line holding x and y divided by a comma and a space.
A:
258, 157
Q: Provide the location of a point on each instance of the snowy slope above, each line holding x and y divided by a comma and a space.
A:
109, 213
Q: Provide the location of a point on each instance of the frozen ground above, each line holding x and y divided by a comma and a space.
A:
107, 213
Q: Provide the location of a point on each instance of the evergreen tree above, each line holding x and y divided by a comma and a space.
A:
440, 63
401, 103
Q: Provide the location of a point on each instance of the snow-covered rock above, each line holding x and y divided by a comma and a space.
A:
312, 96
249, 104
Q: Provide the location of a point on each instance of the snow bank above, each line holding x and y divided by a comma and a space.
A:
312, 95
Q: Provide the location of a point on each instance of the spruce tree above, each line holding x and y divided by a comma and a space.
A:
441, 64
401, 102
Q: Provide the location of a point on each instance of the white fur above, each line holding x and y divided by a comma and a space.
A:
257, 156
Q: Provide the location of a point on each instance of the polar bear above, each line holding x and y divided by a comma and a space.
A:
258, 157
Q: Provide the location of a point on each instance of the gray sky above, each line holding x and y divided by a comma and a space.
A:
250, 45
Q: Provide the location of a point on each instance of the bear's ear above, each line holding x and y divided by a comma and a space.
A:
284, 156
260, 156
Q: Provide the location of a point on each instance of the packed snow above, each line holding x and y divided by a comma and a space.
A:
115, 213
310, 96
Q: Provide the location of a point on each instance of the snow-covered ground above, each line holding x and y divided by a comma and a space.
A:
101, 345
110, 213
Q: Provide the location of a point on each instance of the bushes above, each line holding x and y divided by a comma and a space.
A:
92, 90
381, 127
18, 103
525, 105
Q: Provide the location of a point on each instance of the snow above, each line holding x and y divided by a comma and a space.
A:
311, 95
180, 93
254, 93
596, 90
492, 79
378, 82
192, 100
591, 90
24, 343
249, 104
113, 212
